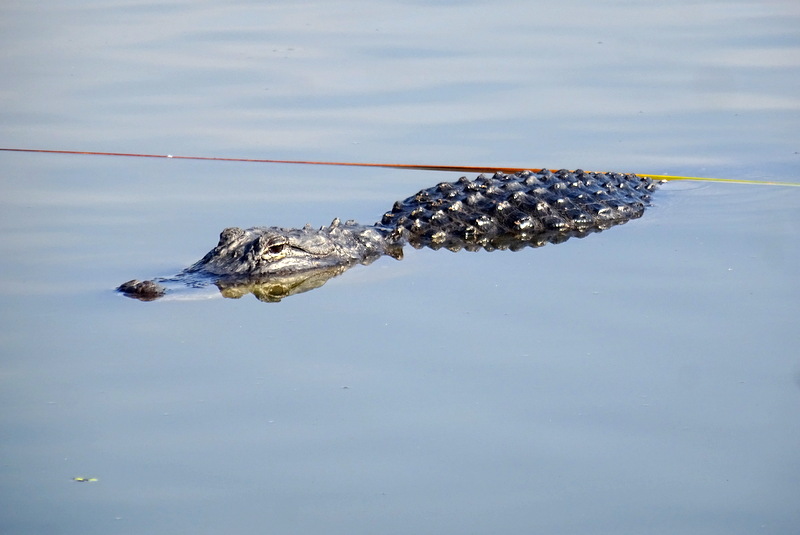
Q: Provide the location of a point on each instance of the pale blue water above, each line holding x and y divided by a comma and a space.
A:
643, 380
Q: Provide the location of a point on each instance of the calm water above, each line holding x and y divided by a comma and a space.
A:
643, 380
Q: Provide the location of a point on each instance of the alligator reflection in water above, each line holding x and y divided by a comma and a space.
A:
499, 212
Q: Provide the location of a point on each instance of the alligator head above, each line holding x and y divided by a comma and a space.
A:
271, 260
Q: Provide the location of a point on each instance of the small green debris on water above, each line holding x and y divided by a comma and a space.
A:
85, 479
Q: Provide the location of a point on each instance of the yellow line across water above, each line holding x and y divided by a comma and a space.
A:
731, 180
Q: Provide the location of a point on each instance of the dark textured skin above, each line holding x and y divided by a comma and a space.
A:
491, 212
520, 210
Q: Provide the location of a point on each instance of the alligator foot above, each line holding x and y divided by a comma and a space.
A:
142, 290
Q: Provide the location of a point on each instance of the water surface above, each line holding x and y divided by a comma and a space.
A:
645, 379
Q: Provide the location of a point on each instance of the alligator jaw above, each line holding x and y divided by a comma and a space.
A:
274, 289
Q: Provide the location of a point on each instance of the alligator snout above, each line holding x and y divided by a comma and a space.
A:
142, 290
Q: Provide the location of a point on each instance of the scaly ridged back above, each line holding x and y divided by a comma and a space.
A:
521, 210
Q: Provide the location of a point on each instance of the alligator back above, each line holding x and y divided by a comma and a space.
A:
521, 210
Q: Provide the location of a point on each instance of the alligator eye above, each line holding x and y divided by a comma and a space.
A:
271, 246
275, 248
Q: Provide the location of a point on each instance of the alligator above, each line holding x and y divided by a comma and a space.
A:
498, 212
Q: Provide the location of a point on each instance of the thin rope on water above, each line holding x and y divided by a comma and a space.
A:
418, 167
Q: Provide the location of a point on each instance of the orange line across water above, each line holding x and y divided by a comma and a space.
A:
419, 167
